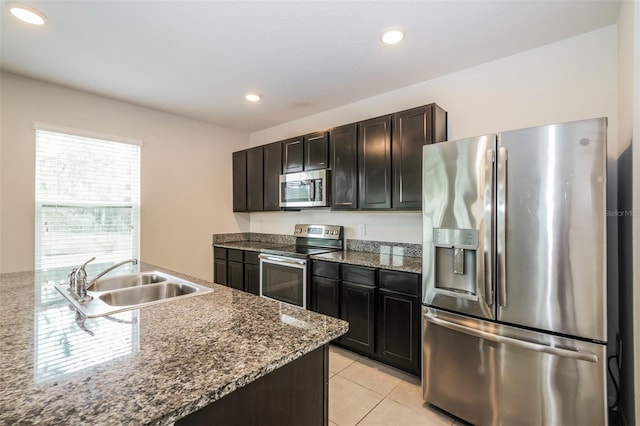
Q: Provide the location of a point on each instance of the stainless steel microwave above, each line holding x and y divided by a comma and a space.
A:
305, 189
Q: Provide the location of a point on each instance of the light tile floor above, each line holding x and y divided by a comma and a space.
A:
368, 393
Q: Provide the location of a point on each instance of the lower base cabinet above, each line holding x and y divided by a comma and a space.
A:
235, 275
325, 296
398, 330
296, 394
381, 306
252, 273
357, 307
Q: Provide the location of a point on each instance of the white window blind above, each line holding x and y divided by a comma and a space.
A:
87, 200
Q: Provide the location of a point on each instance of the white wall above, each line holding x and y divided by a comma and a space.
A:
185, 173
568, 80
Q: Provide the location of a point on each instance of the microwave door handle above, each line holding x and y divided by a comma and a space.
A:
312, 190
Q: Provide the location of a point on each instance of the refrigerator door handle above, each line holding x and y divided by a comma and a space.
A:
488, 225
538, 347
502, 227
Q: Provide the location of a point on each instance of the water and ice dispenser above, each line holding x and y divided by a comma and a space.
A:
456, 252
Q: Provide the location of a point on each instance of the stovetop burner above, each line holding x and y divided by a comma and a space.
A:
310, 240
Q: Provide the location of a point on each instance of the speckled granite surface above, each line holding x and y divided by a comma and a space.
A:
148, 366
257, 237
386, 261
247, 245
385, 247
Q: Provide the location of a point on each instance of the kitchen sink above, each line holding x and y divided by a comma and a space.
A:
122, 293
146, 294
126, 281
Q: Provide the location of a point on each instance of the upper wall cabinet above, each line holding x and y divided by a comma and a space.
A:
255, 179
309, 152
292, 155
272, 170
374, 163
412, 129
344, 160
316, 151
240, 181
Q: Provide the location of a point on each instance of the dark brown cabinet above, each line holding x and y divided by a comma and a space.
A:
235, 268
412, 129
251, 272
240, 181
374, 163
316, 151
292, 155
325, 288
255, 179
272, 170
358, 307
220, 265
398, 326
344, 174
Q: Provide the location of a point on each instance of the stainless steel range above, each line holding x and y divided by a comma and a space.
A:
284, 269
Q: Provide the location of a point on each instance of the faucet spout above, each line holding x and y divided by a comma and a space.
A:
109, 269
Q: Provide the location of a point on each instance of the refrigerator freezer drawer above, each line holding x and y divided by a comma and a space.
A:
492, 374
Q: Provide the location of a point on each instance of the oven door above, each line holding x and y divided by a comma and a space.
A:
284, 279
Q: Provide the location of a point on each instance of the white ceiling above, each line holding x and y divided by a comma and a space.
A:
199, 58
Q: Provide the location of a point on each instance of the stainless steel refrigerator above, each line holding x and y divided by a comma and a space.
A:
514, 266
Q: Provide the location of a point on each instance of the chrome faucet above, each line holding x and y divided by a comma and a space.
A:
78, 278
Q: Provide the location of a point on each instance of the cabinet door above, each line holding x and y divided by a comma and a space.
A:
411, 131
252, 278
292, 155
316, 151
357, 307
374, 163
220, 271
344, 173
325, 296
255, 179
272, 171
240, 181
235, 277
398, 331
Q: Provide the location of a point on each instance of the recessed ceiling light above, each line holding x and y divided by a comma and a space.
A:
392, 37
27, 14
252, 97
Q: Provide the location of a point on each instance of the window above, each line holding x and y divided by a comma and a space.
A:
87, 199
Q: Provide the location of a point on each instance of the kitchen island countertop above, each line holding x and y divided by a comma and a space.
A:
153, 365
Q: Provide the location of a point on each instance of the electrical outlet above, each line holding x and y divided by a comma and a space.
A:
362, 229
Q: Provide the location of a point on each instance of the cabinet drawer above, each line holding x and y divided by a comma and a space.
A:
235, 255
359, 275
219, 252
402, 282
321, 268
251, 257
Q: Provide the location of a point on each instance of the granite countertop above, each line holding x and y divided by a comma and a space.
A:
374, 260
248, 245
148, 366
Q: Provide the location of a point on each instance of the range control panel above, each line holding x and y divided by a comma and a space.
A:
333, 232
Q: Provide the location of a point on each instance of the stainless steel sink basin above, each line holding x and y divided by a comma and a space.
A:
133, 291
146, 294
126, 281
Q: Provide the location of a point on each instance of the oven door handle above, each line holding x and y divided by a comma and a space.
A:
286, 260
